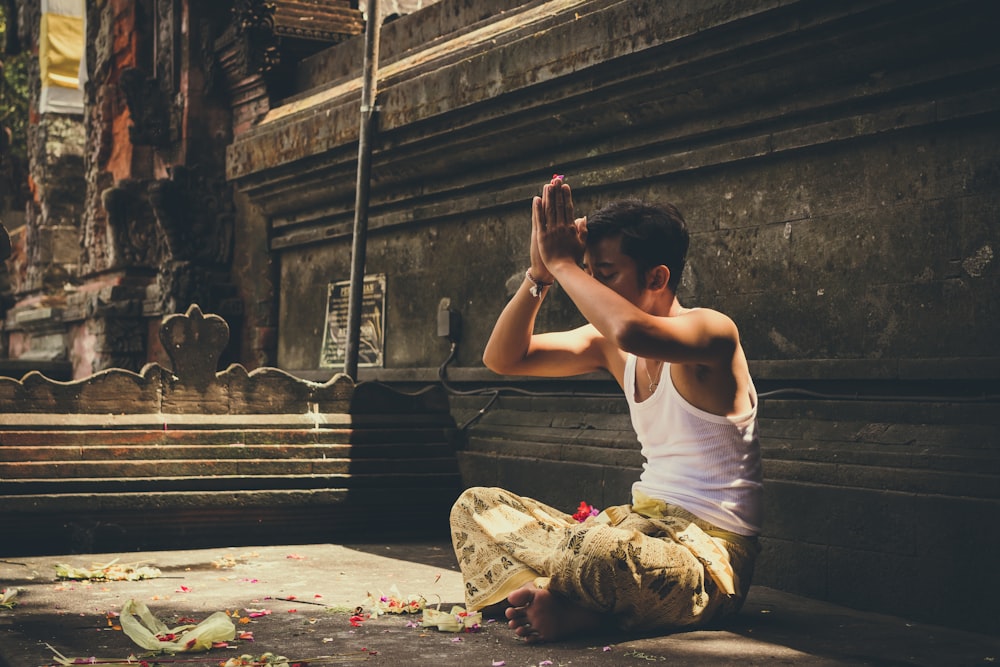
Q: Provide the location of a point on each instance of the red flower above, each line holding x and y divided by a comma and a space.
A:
585, 511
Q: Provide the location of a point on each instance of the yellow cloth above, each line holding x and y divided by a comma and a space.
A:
646, 572
708, 545
60, 49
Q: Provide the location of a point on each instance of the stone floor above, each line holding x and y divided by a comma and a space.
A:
310, 591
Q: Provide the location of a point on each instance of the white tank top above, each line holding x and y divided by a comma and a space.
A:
705, 463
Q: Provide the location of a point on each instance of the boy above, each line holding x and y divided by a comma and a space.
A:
682, 553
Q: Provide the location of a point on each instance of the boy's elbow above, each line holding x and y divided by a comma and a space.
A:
501, 363
627, 336
488, 362
493, 363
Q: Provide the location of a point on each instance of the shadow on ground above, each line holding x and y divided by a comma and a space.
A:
309, 592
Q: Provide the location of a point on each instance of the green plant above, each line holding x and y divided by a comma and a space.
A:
13, 113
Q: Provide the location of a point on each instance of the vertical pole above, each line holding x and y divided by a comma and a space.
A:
363, 189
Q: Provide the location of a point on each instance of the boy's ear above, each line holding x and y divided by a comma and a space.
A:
658, 277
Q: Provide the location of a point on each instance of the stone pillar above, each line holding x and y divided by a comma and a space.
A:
157, 231
51, 251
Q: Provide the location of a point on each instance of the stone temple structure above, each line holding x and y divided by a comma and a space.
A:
838, 163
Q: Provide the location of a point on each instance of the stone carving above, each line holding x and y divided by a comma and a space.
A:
266, 39
329, 21
254, 20
167, 45
134, 234
181, 226
195, 219
114, 320
149, 108
194, 343
195, 215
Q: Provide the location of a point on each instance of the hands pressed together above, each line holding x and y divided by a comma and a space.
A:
556, 236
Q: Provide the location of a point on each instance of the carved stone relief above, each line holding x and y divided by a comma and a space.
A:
136, 239
149, 108
195, 214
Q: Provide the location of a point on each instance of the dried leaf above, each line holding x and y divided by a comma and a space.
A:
457, 620
150, 633
9, 597
110, 571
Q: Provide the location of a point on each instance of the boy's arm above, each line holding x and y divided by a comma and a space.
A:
700, 336
514, 348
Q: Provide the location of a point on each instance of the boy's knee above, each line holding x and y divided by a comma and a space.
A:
464, 504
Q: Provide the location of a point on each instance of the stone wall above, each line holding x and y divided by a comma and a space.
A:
193, 458
132, 216
837, 162
838, 166
46, 245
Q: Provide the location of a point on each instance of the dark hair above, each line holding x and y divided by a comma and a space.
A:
651, 234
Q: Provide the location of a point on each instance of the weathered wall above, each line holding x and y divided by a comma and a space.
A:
132, 215
47, 251
838, 185
838, 166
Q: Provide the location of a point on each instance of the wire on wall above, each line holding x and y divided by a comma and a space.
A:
495, 392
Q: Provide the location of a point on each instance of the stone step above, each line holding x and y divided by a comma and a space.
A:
224, 452
70, 523
443, 476
412, 493
195, 456
20, 436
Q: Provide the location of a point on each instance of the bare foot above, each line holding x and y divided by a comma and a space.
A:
538, 615
495, 610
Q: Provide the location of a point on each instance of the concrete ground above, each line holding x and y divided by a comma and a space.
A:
310, 591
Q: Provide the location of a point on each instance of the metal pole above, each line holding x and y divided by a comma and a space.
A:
363, 189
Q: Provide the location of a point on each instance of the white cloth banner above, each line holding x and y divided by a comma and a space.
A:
60, 56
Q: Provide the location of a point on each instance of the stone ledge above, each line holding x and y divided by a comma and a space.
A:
769, 370
199, 499
194, 393
299, 165
55, 421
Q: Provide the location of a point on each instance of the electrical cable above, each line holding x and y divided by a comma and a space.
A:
904, 398
495, 392
442, 375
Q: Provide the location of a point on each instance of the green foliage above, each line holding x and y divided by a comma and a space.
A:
13, 109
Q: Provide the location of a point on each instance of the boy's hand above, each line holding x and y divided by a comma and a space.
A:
538, 269
556, 234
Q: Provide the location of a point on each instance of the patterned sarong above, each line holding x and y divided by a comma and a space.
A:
659, 569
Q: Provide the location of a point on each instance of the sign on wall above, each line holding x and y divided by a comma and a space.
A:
371, 343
